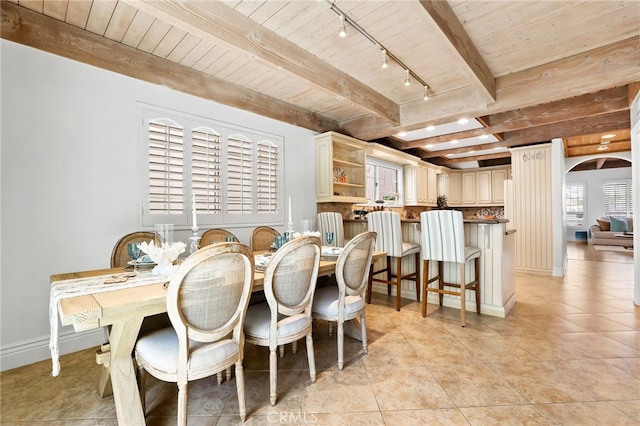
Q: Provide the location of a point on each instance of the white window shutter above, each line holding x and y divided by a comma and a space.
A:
166, 168
267, 177
206, 170
239, 175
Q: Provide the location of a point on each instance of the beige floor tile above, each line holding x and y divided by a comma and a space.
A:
628, 365
586, 414
435, 417
629, 338
631, 408
475, 385
401, 388
506, 415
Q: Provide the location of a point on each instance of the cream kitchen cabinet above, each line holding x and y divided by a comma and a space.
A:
468, 189
420, 185
453, 188
340, 168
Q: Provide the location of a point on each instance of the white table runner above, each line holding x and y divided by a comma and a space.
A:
83, 286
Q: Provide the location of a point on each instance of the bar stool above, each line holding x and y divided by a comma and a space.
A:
387, 225
442, 240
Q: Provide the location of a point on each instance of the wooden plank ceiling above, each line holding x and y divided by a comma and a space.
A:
529, 71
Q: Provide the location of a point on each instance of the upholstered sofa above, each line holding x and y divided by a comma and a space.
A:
603, 235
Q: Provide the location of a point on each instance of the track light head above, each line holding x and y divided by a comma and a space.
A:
427, 93
385, 64
407, 79
343, 28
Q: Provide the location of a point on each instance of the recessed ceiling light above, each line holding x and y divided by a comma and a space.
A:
483, 136
430, 128
402, 134
429, 146
463, 121
453, 142
449, 155
605, 142
609, 136
472, 151
602, 148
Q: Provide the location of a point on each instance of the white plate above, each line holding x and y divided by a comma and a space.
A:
331, 251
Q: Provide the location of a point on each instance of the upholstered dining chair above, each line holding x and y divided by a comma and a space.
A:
120, 255
388, 227
262, 238
207, 300
289, 285
442, 240
331, 222
215, 235
346, 301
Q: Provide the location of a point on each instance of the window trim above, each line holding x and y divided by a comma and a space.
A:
399, 168
568, 222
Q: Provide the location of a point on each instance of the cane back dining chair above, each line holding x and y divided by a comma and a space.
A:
207, 300
215, 235
345, 301
442, 240
388, 227
331, 222
262, 237
289, 285
120, 255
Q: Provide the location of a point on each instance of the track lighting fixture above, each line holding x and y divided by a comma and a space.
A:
386, 53
343, 28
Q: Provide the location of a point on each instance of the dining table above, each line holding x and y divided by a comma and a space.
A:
123, 309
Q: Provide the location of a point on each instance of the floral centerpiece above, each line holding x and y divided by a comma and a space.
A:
163, 256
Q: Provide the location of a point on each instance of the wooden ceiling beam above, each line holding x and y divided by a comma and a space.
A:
467, 54
581, 126
218, 22
23, 26
592, 104
450, 161
614, 65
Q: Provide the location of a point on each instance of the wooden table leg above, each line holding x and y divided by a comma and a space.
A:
103, 357
123, 375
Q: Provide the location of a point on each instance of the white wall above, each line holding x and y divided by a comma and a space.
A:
70, 181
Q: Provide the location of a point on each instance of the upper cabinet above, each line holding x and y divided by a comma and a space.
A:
474, 188
340, 168
420, 185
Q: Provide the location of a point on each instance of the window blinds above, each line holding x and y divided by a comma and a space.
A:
165, 162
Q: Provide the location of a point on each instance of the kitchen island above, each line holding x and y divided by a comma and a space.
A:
496, 244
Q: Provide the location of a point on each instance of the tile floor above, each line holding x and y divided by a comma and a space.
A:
568, 353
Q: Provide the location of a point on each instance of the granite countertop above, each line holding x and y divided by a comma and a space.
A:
466, 220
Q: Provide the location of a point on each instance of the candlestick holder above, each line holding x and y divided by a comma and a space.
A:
195, 240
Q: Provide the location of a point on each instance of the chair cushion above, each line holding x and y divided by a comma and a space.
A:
160, 349
410, 248
325, 301
256, 322
471, 253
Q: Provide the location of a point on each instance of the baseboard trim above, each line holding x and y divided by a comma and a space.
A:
29, 351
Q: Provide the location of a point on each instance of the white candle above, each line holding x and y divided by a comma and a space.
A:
194, 227
290, 221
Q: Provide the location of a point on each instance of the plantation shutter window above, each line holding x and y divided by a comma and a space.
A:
234, 174
239, 175
165, 167
618, 200
206, 170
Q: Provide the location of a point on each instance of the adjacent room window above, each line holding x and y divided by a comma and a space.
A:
234, 173
618, 200
574, 203
384, 181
